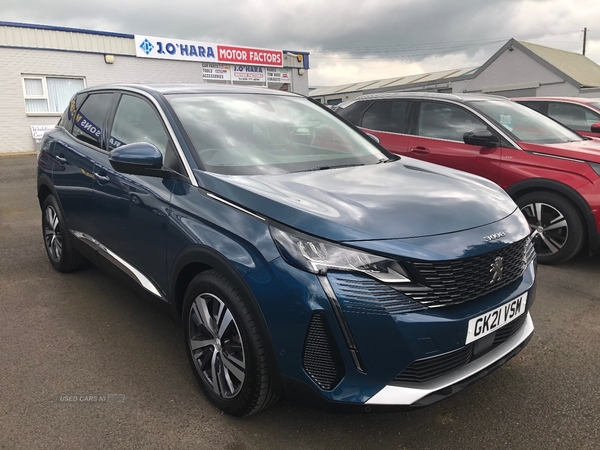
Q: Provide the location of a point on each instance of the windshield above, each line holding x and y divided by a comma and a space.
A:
595, 104
249, 134
525, 123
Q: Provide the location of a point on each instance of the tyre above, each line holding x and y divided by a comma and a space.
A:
58, 240
557, 223
225, 347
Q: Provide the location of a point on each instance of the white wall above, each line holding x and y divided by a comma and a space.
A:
512, 68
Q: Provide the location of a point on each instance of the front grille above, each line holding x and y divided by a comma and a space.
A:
321, 357
370, 296
462, 280
427, 369
509, 329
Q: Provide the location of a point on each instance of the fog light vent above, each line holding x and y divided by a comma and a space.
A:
321, 357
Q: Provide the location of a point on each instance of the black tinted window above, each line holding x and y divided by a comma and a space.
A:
444, 121
387, 116
90, 119
353, 112
536, 106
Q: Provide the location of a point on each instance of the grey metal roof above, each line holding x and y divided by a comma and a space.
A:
57, 38
396, 82
574, 65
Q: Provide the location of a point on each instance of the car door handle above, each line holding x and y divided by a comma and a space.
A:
420, 150
102, 179
61, 159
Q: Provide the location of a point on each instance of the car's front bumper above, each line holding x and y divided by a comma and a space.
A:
422, 394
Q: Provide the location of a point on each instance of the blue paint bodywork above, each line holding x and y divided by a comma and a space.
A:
407, 210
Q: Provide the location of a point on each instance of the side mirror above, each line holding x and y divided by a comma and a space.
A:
595, 127
140, 158
482, 138
372, 136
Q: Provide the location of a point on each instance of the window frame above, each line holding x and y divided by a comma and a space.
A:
45, 95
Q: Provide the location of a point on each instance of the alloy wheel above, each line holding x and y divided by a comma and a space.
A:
53, 234
216, 345
549, 227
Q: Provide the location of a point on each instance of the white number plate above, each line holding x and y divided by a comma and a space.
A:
490, 321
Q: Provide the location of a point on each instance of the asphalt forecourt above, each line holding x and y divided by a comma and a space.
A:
86, 362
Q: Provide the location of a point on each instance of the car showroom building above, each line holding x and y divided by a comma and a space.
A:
43, 66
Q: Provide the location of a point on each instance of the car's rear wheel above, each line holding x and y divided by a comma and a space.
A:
557, 225
225, 348
57, 239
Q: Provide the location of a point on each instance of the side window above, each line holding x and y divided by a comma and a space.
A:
387, 116
137, 121
443, 121
573, 116
90, 118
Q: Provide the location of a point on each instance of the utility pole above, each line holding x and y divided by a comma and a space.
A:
584, 39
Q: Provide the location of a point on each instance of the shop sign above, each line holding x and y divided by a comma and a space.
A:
219, 72
182, 50
249, 73
279, 75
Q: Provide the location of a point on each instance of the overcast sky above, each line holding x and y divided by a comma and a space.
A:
348, 40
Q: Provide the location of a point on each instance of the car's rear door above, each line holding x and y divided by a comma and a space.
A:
74, 153
131, 216
438, 138
388, 120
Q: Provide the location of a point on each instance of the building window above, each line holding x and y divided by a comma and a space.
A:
49, 94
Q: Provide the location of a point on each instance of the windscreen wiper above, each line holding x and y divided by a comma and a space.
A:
326, 167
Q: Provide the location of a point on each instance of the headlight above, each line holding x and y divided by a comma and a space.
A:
317, 256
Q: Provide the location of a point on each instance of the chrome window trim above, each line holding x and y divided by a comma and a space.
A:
233, 205
388, 132
410, 393
186, 164
134, 273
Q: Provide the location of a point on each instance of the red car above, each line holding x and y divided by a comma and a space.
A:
552, 173
579, 114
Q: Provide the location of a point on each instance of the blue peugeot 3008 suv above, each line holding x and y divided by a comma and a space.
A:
301, 258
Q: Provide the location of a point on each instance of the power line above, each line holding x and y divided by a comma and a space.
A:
452, 50
424, 46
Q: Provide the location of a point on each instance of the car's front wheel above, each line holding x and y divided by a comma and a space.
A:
556, 223
57, 239
225, 347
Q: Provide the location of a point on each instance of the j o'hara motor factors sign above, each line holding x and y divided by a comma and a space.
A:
177, 49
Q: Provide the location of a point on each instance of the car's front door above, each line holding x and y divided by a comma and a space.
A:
438, 139
132, 209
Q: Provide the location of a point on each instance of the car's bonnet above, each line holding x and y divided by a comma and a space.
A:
402, 199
